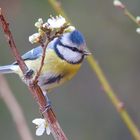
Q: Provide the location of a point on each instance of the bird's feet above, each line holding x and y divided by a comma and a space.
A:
29, 74
48, 101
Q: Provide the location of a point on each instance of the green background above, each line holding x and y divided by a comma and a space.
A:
82, 108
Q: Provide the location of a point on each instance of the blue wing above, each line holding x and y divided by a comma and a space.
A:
33, 54
36, 52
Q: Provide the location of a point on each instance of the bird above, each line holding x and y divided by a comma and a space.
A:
63, 58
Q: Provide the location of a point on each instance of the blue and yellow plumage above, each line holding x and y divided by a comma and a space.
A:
63, 59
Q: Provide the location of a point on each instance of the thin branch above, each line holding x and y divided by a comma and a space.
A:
130, 16
44, 47
12, 45
15, 110
123, 7
33, 86
107, 88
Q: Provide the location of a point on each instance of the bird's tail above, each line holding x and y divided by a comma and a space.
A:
8, 69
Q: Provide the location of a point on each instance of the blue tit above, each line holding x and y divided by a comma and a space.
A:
63, 58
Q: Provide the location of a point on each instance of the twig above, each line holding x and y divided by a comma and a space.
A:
44, 47
107, 88
130, 16
15, 110
12, 44
123, 7
33, 86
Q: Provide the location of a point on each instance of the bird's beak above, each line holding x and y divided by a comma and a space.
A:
86, 52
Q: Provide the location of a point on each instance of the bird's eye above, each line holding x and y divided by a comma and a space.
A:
75, 49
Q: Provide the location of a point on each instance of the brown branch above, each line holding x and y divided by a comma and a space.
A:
15, 110
48, 115
12, 44
33, 86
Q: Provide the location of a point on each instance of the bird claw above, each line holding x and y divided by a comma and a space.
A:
29, 74
48, 106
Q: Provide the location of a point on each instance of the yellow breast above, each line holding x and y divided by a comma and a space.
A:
53, 65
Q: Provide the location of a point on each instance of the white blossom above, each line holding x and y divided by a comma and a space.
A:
118, 3
138, 19
34, 38
55, 23
39, 23
42, 126
138, 30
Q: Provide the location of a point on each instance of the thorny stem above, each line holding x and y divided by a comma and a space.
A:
48, 114
107, 88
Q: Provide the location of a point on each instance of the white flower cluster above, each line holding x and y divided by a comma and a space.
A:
42, 126
53, 23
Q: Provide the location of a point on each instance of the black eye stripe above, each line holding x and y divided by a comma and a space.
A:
74, 49
58, 42
71, 48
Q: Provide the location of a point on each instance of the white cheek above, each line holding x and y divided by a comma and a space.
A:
69, 54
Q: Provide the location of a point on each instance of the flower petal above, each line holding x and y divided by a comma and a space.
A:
39, 23
138, 30
48, 131
34, 38
38, 121
40, 130
118, 3
138, 19
56, 22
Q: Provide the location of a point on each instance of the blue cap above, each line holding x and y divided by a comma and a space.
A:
77, 37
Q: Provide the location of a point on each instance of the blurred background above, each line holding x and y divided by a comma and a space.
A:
82, 108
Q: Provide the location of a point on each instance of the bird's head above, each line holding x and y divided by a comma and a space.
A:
72, 47
76, 41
